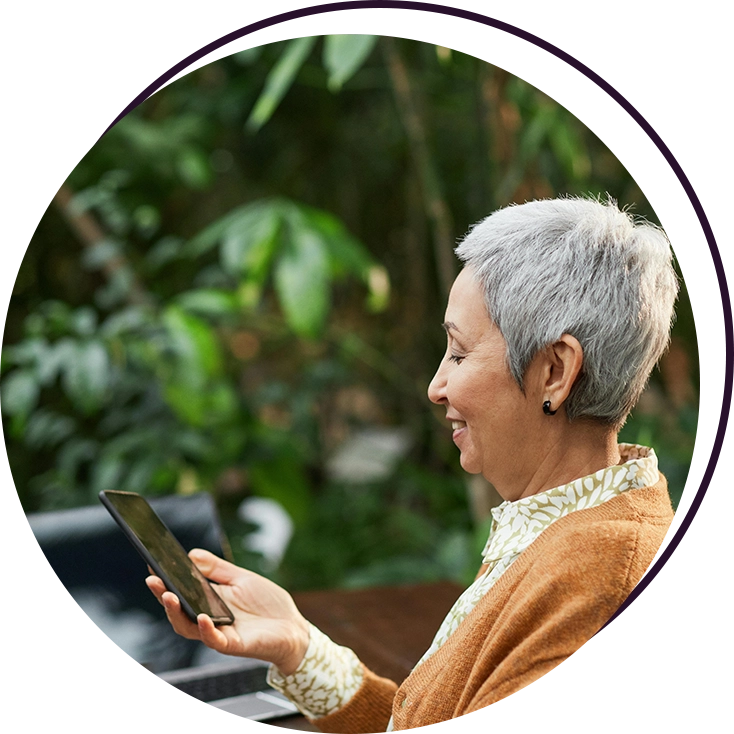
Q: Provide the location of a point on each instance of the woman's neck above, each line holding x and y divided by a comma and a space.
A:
580, 448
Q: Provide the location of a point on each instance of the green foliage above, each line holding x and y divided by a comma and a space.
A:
343, 55
279, 80
212, 322
301, 282
305, 248
384, 533
20, 393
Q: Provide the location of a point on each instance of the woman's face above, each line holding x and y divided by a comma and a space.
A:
493, 423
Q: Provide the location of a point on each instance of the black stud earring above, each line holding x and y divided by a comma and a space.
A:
546, 408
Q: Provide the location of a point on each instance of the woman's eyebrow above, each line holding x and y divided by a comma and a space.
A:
450, 326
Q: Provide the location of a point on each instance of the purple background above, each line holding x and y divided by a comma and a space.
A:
638, 84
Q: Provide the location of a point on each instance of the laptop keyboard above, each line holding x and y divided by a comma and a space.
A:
225, 685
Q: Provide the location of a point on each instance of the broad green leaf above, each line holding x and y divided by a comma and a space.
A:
158, 140
115, 179
128, 319
106, 472
100, 253
19, 393
279, 80
86, 374
29, 352
138, 438
164, 251
181, 127
248, 244
87, 199
213, 234
346, 253
54, 359
143, 135
302, 282
46, 428
208, 301
187, 403
84, 321
195, 345
208, 405
343, 55
140, 473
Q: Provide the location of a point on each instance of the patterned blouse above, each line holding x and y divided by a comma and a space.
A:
330, 675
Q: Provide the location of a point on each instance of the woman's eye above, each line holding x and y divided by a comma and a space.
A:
455, 358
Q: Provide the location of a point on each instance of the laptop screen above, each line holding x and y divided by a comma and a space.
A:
106, 576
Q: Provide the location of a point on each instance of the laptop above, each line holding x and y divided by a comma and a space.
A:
105, 576
235, 685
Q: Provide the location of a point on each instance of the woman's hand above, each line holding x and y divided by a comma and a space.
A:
267, 624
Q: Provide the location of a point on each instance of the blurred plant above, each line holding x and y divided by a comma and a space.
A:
342, 57
144, 392
193, 312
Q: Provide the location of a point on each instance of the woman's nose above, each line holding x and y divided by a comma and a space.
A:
437, 387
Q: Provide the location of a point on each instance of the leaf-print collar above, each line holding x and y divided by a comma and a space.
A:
517, 524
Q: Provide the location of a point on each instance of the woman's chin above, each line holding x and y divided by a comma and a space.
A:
469, 463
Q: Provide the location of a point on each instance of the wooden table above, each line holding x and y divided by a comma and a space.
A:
388, 627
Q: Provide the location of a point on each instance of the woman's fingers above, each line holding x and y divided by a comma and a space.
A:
211, 636
177, 617
214, 568
156, 586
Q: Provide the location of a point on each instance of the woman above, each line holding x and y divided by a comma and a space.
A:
554, 325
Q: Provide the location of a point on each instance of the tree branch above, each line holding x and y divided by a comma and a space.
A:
90, 234
434, 202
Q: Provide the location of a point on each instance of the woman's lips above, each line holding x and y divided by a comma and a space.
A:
459, 428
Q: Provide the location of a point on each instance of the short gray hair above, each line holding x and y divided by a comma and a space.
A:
580, 267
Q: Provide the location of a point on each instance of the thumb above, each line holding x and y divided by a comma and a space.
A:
214, 568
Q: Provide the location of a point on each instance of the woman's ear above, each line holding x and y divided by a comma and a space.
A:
565, 358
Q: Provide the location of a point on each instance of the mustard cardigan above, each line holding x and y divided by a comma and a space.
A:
555, 596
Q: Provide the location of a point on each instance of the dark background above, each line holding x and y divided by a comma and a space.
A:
660, 112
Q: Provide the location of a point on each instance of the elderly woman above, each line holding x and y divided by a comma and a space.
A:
554, 325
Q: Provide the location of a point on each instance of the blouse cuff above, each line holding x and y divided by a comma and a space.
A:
327, 678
